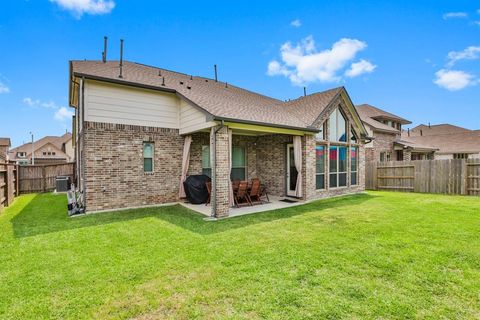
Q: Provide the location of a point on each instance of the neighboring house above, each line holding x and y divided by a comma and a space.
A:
4, 146
139, 130
451, 142
47, 150
387, 143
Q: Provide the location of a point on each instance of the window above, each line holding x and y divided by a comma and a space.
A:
460, 156
382, 156
239, 167
321, 134
53, 153
389, 156
338, 126
206, 165
21, 154
338, 166
44, 153
320, 174
148, 157
353, 166
238, 163
399, 155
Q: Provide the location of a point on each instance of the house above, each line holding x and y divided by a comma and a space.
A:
47, 150
388, 144
140, 130
4, 146
450, 142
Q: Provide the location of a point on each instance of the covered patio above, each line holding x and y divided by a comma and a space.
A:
242, 152
275, 203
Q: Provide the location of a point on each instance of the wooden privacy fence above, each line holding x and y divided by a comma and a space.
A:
8, 184
457, 176
42, 178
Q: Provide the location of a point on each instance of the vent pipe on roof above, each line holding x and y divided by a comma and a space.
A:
226, 84
163, 81
159, 72
121, 58
421, 132
429, 125
408, 131
191, 77
215, 67
304, 91
104, 53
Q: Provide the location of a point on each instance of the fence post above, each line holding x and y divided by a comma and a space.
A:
9, 176
17, 181
44, 179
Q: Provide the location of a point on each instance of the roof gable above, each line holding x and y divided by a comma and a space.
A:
377, 113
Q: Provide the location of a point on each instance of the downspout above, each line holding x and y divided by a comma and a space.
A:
214, 174
81, 143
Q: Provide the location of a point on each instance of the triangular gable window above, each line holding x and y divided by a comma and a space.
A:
338, 126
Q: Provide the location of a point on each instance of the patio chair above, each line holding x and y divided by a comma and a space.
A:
208, 184
255, 189
264, 192
235, 184
241, 196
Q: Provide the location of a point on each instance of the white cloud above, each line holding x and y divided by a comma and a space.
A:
63, 114
4, 88
296, 23
470, 53
303, 63
454, 80
359, 68
454, 15
477, 23
79, 7
30, 102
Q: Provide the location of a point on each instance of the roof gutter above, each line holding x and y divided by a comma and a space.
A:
368, 139
123, 82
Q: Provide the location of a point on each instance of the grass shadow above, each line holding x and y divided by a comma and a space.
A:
47, 213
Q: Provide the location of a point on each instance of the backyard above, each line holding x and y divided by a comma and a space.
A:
373, 255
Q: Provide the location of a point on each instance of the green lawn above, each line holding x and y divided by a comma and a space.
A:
376, 255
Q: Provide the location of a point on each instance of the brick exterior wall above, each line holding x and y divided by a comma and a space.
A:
114, 177
113, 166
272, 162
383, 142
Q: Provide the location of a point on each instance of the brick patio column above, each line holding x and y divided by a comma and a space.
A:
308, 166
407, 155
220, 172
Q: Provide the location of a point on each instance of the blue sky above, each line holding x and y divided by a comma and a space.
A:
417, 59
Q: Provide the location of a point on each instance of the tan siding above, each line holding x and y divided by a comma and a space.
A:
192, 119
116, 104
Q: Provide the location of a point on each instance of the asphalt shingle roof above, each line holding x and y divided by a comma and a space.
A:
374, 112
219, 99
466, 142
57, 141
